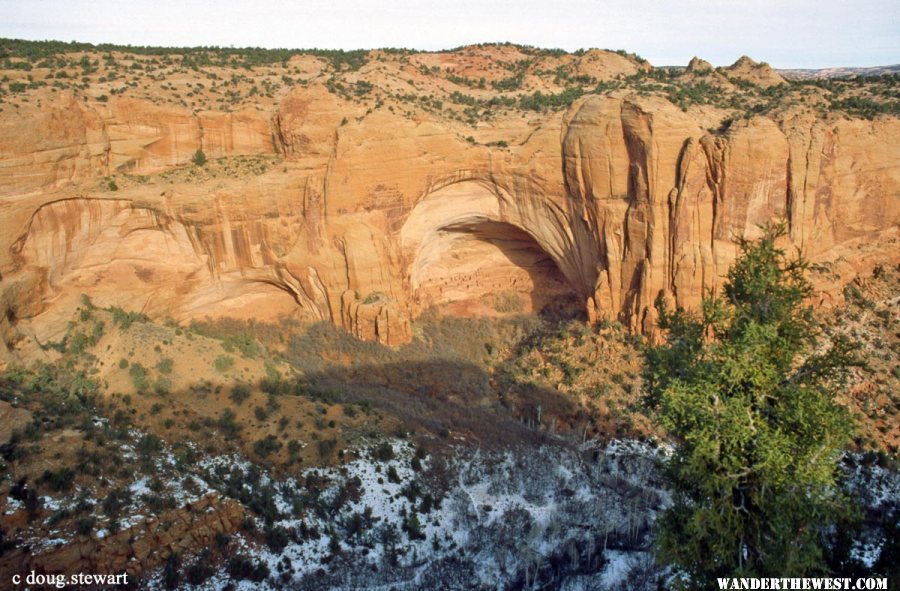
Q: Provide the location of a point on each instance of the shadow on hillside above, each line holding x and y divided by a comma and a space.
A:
449, 398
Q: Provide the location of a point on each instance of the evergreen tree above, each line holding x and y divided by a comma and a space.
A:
199, 157
748, 396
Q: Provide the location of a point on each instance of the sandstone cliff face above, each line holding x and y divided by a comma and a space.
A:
669, 198
64, 141
368, 217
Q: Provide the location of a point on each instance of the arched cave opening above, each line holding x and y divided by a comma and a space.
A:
482, 267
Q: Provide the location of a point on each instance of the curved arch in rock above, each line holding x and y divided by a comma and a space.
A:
137, 257
470, 239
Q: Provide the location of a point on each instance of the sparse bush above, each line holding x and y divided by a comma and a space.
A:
260, 413
162, 385
59, 480
241, 567
413, 527
126, 319
139, 377
116, 500
76, 343
227, 423
266, 446
172, 572
239, 393
392, 475
165, 366
149, 445
383, 453
277, 538
199, 572
223, 363
326, 448
507, 302
85, 525
247, 345
294, 448
199, 157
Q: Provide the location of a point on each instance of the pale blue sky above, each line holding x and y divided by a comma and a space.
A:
785, 33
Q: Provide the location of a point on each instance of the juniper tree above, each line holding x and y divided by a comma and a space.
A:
748, 394
199, 157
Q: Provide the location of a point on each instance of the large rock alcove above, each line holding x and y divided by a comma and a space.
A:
474, 251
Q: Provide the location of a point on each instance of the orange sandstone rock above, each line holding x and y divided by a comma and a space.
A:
371, 216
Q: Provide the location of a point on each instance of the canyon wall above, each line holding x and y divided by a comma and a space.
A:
365, 218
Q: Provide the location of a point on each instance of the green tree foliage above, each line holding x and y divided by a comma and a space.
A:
199, 157
223, 363
126, 319
139, 377
540, 101
748, 395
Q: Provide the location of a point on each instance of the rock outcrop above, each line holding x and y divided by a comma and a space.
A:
136, 549
366, 216
697, 65
759, 73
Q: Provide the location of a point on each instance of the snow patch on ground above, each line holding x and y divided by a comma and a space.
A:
498, 519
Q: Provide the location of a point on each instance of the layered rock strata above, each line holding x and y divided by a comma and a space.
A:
366, 218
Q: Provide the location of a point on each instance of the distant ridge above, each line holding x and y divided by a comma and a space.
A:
822, 73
